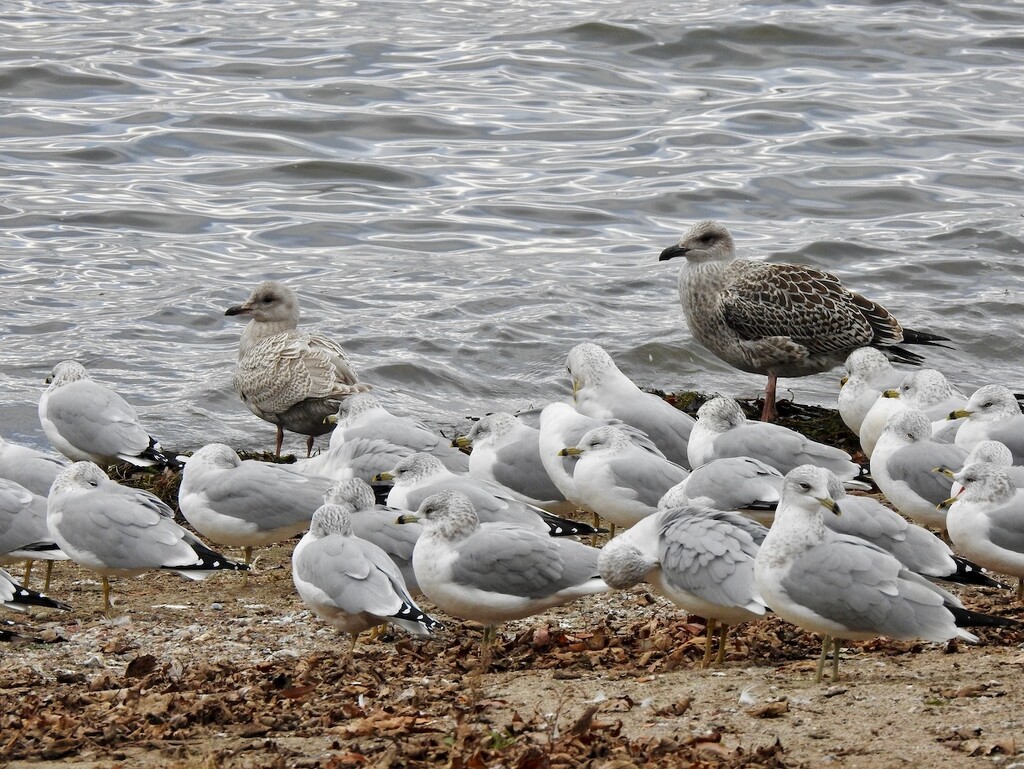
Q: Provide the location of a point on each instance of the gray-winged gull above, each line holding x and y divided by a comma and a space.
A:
723, 431
700, 559
420, 475
602, 391
362, 415
618, 480
33, 469
868, 374
742, 484
903, 466
992, 413
287, 377
246, 503
378, 524
350, 582
506, 450
777, 319
111, 529
927, 391
985, 521
87, 421
844, 587
496, 572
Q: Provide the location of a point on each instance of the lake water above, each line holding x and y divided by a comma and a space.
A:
462, 190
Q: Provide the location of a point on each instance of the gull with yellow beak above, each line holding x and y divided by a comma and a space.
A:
841, 586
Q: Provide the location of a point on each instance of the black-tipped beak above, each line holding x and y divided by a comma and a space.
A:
238, 309
672, 252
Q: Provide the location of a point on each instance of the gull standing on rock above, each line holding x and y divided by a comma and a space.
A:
111, 529
350, 582
783, 320
602, 391
844, 587
287, 377
87, 421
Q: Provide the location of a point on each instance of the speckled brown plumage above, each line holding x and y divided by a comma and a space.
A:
777, 319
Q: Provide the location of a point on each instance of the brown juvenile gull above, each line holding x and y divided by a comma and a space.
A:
777, 319
287, 377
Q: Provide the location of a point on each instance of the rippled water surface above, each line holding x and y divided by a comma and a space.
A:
461, 191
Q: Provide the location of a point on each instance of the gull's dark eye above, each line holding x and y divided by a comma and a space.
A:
805, 487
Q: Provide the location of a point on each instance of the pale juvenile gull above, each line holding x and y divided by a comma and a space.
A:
986, 521
246, 503
903, 466
350, 582
723, 431
87, 421
287, 377
743, 484
868, 374
927, 391
561, 425
18, 598
31, 468
602, 391
378, 524
914, 546
421, 475
506, 450
992, 413
700, 559
111, 529
618, 480
777, 319
495, 572
362, 416
844, 587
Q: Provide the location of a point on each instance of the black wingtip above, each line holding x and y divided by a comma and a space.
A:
969, 573
210, 560
967, 618
411, 613
563, 527
23, 596
156, 454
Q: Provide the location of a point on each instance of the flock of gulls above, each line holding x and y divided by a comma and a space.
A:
728, 518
